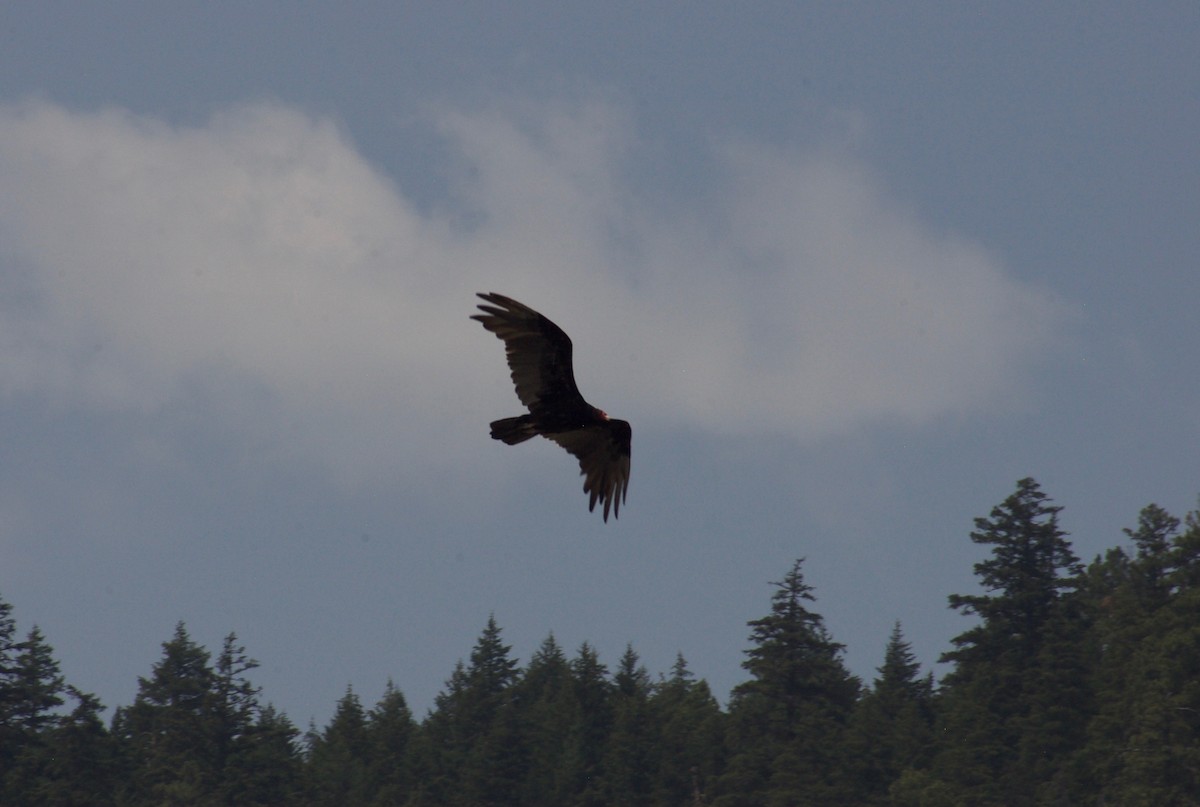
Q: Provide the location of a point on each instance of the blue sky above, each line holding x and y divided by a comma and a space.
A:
850, 270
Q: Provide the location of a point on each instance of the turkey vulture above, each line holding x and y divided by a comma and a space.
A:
539, 355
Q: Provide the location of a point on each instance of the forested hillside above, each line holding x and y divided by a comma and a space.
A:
1073, 684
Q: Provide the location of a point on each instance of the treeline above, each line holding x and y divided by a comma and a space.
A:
1075, 685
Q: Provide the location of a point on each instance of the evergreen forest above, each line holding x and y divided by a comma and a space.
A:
1074, 684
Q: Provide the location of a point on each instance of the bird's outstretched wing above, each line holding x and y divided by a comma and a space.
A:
538, 352
539, 356
603, 451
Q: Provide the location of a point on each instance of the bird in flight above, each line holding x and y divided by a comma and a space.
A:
539, 356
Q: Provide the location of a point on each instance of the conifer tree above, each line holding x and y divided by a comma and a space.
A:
892, 726
37, 685
1153, 538
167, 735
691, 740
270, 764
33, 692
496, 752
440, 746
232, 709
390, 729
489, 675
10, 732
470, 749
1143, 741
78, 765
193, 734
787, 722
39, 737
1030, 566
545, 699
630, 758
337, 769
991, 727
593, 694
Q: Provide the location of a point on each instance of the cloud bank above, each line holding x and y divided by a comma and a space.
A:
260, 264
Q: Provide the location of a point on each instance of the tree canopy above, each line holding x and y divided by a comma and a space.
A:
1073, 684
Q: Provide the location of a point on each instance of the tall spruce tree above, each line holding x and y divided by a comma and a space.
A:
1154, 538
998, 743
788, 722
11, 739
496, 757
593, 694
191, 735
233, 709
1030, 566
470, 749
892, 726
167, 735
550, 714
47, 756
1144, 742
630, 758
39, 736
269, 766
77, 764
441, 743
691, 737
337, 757
390, 729
37, 685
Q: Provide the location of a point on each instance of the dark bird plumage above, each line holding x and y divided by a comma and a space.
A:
539, 356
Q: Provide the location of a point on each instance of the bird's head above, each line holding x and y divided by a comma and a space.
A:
600, 413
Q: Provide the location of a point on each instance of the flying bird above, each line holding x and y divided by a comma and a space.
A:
539, 356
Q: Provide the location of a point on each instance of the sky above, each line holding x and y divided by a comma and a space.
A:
851, 270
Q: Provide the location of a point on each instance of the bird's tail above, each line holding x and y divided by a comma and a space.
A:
513, 430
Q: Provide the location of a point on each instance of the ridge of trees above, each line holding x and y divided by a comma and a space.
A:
1074, 685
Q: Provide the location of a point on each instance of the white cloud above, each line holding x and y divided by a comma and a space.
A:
261, 261
851, 310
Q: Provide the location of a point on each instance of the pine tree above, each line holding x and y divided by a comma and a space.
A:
194, 735
78, 767
11, 739
593, 694
496, 753
544, 698
1031, 564
35, 691
630, 758
1142, 743
38, 685
470, 749
390, 729
1117, 626
992, 727
788, 721
892, 726
690, 727
167, 735
39, 739
440, 746
269, 764
232, 710
1154, 538
337, 771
